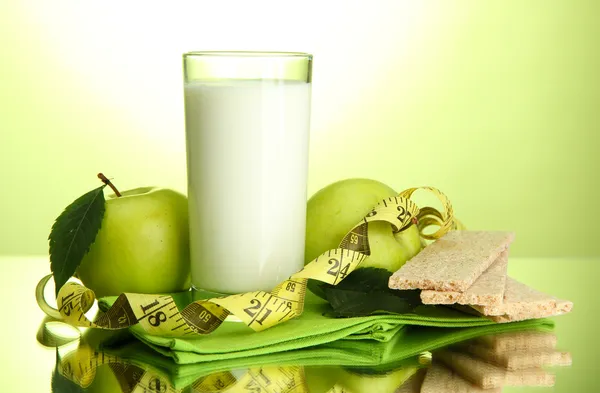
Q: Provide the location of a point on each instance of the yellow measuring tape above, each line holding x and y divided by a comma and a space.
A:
158, 314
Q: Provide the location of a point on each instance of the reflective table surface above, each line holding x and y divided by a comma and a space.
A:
42, 355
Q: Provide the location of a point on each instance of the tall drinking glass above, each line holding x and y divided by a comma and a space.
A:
247, 118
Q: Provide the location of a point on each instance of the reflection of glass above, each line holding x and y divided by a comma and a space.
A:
247, 120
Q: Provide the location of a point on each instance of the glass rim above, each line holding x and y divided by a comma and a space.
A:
256, 54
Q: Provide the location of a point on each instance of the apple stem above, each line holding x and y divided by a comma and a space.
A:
109, 183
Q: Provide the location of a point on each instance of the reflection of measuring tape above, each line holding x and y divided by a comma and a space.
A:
158, 314
79, 366
268, 379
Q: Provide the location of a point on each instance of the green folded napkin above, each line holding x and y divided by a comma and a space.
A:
233, 340
402, 346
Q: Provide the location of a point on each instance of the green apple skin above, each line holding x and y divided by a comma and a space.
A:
334, 210
391, 250
142, 246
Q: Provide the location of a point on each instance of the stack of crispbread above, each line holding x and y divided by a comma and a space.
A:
489, 363
469, 268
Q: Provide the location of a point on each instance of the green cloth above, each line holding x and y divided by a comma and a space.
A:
234, 340
403, 346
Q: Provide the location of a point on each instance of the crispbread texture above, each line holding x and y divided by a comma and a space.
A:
453, 262
440, 379
488, 376
523, 302
518, 360
518, 341
487, 290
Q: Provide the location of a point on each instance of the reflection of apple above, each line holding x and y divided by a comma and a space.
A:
320, 379
381, 383
335, 209
142, 246
105, 381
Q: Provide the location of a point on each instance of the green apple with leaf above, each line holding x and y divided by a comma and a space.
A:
135, 241
334, 210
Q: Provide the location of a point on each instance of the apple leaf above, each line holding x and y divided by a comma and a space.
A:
365, 292
72, 234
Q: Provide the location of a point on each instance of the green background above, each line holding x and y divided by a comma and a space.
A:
494, 102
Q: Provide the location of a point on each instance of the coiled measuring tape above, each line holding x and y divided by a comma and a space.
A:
158, 314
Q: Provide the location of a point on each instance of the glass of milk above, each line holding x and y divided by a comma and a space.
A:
247, 118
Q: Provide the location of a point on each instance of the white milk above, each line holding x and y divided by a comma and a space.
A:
247, 147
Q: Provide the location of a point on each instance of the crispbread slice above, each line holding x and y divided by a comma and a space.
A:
518, 341
440, 379
560, 307
518, 360
487, 290
523, 302
488, 376
453, 262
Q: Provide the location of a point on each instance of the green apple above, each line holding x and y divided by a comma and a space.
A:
142, 246
391, 250
335, 209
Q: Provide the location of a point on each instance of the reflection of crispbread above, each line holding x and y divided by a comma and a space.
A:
453, 262
487, 290
530, 377
480, 373
488, 376
518, 360
523, 302
439, 379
